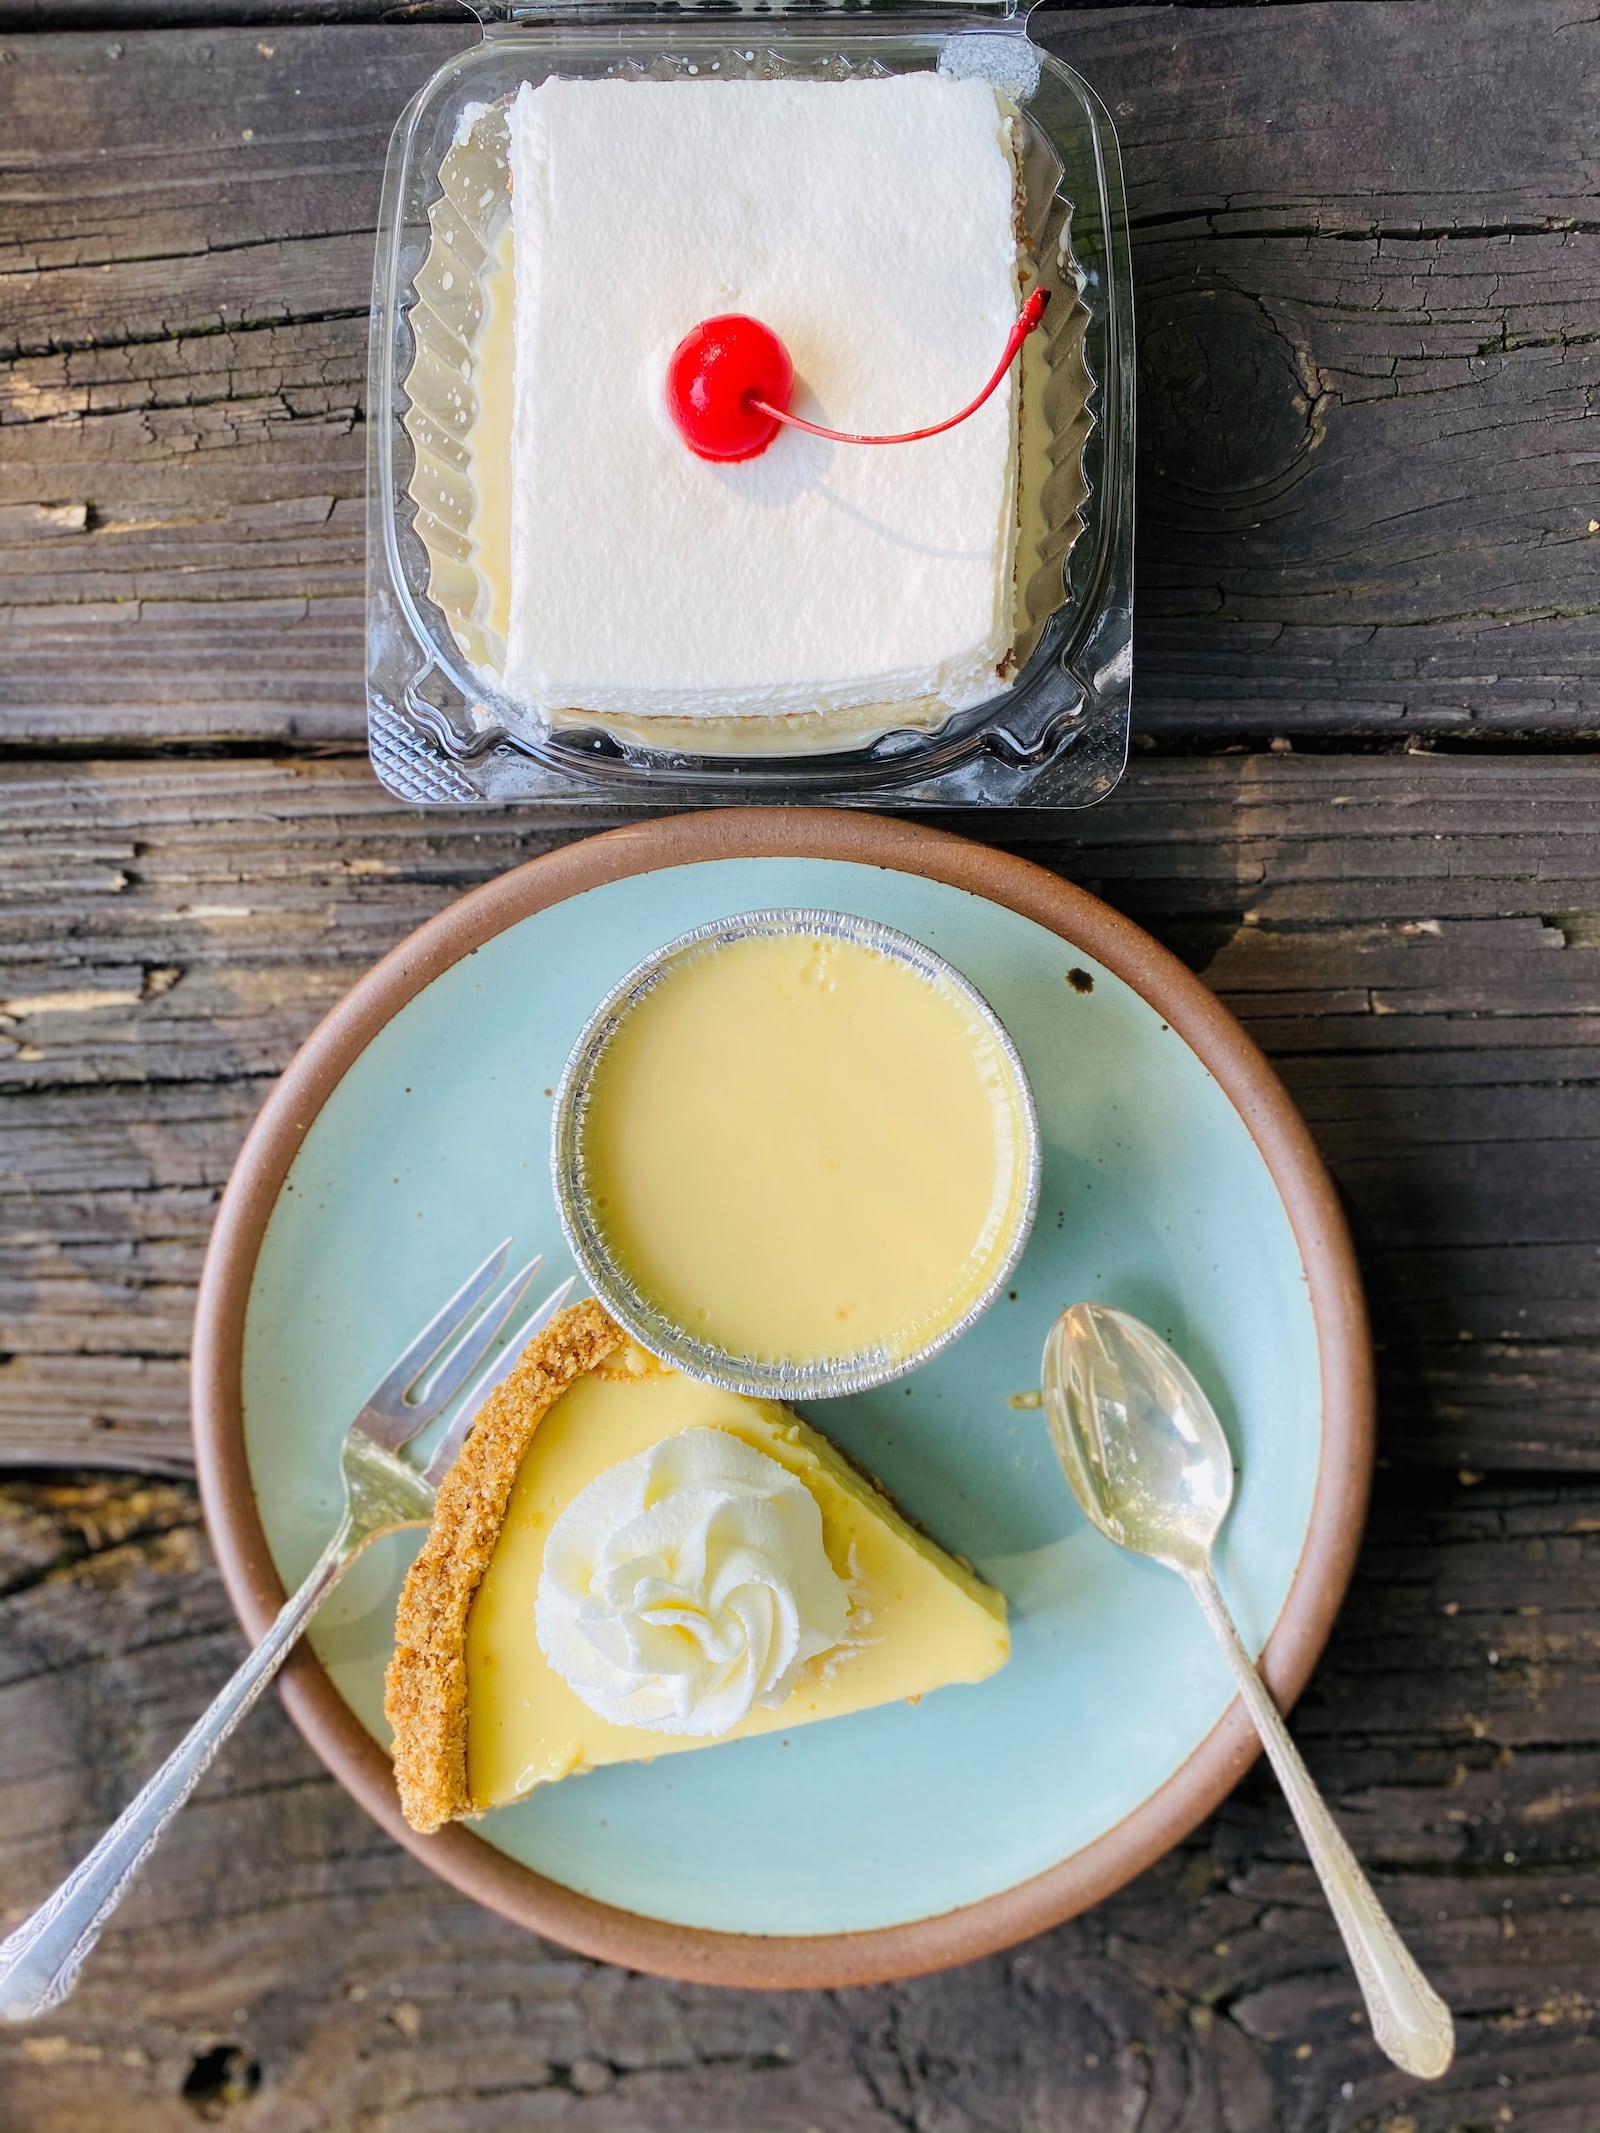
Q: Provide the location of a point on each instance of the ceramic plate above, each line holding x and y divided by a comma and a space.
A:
411, 1132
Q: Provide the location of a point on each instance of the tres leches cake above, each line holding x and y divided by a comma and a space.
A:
871, 224
624, 1563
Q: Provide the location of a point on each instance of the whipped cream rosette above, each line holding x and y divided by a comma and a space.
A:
688, 1585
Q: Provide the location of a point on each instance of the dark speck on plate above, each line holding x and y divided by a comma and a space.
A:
1080, 979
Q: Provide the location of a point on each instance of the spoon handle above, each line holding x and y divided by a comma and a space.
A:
1409, 2020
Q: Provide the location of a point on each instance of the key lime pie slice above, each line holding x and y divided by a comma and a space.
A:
624, 1563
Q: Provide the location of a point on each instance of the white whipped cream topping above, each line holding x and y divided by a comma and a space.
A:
871, 224
687, 1585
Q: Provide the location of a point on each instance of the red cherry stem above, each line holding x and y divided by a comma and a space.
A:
1027, 318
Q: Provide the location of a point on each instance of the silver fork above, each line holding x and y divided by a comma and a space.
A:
39, 1962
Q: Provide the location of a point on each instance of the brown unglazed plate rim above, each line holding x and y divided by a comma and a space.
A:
1194, 1014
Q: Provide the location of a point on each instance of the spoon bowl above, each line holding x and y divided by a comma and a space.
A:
1140, 1442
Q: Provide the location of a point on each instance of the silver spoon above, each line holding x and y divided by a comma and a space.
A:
1147, 1460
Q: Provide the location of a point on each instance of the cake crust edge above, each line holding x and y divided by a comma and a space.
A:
425, 1685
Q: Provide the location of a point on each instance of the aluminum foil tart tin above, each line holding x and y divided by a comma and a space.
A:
757, 1377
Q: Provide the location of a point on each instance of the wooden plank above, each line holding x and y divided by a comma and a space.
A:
279, 1948
1415, 939
1369, 302
19, 16
181, 514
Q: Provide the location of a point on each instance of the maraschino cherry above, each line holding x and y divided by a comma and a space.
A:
729, 382
717, 374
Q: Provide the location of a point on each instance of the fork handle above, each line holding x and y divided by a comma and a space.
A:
1409, 2020
39, 1962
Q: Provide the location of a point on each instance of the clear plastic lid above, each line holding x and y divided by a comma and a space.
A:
443, 729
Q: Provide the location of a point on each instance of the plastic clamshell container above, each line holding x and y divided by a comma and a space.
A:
443, 731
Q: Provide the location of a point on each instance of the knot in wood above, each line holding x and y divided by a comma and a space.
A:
1225, 399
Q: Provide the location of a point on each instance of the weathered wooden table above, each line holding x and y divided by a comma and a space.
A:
1362, 806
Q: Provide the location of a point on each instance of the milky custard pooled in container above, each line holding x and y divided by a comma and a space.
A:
806, 1150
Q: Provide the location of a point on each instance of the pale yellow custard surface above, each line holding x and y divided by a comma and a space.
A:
488, 444
800, 1149
919, 1619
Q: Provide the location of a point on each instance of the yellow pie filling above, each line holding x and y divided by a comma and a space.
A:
919, 1619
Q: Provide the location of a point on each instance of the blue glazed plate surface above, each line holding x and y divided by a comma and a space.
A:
1155, 1197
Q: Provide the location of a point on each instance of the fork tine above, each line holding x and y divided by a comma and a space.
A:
444, 1454
388, 1396
440, 1387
